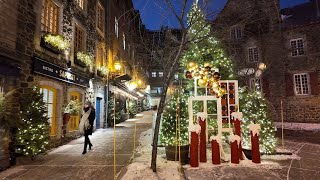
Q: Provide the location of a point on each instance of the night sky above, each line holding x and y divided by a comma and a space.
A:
154, 14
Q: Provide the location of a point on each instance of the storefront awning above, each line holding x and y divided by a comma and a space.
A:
123, 78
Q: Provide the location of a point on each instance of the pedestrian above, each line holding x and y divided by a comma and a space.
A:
86, 124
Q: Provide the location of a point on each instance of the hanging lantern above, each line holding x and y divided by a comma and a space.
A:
202, 82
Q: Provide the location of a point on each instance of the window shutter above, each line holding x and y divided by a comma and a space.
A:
289, 85
265, 86
314, 83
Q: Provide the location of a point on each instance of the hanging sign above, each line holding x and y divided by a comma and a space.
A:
51, 70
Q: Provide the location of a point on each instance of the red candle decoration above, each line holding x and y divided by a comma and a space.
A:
194, 152
254, 132
215, 145
203, 143
235, 141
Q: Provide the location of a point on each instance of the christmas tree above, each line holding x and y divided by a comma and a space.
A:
111, 111
203, 47
254, 108
169, 121
33, 138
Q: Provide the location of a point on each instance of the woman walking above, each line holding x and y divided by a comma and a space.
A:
86, 125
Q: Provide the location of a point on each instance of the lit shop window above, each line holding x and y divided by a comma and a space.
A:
49, 98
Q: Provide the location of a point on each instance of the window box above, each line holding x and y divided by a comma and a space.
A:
54, 43
83, 59
102, 71
79, 62
49, 47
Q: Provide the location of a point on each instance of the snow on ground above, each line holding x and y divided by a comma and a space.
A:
299, 126
140, 167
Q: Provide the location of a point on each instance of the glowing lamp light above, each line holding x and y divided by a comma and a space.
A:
132, 86
262, 66
117, 66
139, 82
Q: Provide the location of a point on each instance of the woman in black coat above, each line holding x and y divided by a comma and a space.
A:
88, 128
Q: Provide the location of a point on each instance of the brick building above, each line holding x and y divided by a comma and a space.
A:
287, 42
104, 31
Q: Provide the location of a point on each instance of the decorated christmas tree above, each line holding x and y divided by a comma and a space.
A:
203, 47
254, 108
169, 121
111, 111
33, 138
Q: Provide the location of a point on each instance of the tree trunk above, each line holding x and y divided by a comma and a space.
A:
162, 102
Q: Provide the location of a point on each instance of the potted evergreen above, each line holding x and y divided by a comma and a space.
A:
73, 108
169, 136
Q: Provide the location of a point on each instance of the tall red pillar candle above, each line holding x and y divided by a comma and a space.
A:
194, 152
215, 152
203, 143
234, 152
237, 126
255, 148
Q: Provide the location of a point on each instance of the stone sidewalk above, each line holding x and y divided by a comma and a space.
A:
67, 163
304, 167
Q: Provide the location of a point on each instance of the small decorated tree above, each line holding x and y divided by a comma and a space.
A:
169, 121
33, 138
254, 108
111, 111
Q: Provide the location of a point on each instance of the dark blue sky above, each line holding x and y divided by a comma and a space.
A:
154, 14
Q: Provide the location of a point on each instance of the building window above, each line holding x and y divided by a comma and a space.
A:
100, 17
49, 98
74, 119
236, 32
253, 54
116, 27
301, 84
78, 39
100, 56
80, 3
124, 41
160, 74
49, 17
297, 47
153, 74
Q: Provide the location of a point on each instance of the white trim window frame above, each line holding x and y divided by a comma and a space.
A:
297, 47
236, 32
153, 74
160, 74
253, 54
301, 84
116, 27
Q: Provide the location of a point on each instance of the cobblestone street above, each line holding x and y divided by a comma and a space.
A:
67, 162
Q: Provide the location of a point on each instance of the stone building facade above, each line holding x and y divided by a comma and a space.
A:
286, 41
27, 59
